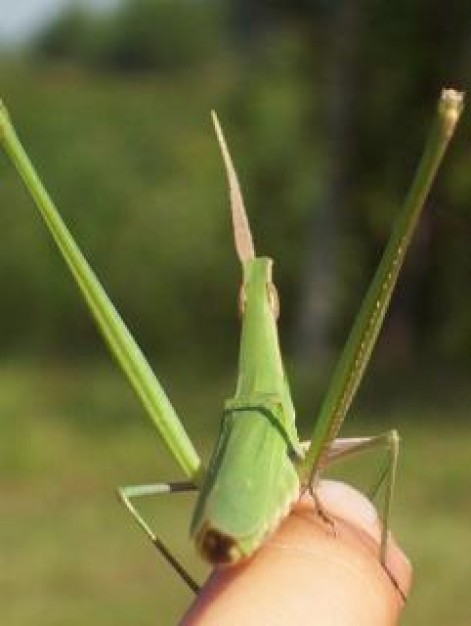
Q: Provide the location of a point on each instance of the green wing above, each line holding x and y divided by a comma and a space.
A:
250, 486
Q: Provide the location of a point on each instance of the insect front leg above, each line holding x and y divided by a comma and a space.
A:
127, 494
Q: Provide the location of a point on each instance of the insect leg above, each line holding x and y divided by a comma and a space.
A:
342, 448
127, 494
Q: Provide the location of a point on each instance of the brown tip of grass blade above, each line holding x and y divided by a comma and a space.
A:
242, 235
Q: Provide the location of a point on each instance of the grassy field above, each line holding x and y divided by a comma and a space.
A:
69, 554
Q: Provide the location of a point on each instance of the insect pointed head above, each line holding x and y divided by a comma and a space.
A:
251, 264
242, 234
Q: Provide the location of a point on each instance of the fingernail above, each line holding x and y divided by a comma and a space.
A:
347, 503
342, 500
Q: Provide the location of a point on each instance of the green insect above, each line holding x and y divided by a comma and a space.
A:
259, 467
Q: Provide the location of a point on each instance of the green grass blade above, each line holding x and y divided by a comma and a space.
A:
357, 351
120, 341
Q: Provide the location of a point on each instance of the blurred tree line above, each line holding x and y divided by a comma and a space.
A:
326, 106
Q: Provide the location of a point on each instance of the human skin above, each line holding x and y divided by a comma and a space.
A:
312, 572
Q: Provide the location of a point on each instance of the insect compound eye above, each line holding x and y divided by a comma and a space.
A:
274, 300
241, 300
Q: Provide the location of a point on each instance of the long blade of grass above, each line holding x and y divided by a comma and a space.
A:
357, 351
119, 339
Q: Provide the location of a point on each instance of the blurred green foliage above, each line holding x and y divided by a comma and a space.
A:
138, 177
123, 101
141, 35
114, 111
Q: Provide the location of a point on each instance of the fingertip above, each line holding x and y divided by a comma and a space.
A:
345, 502
309, 570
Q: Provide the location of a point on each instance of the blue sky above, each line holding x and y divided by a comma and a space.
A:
21, 17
